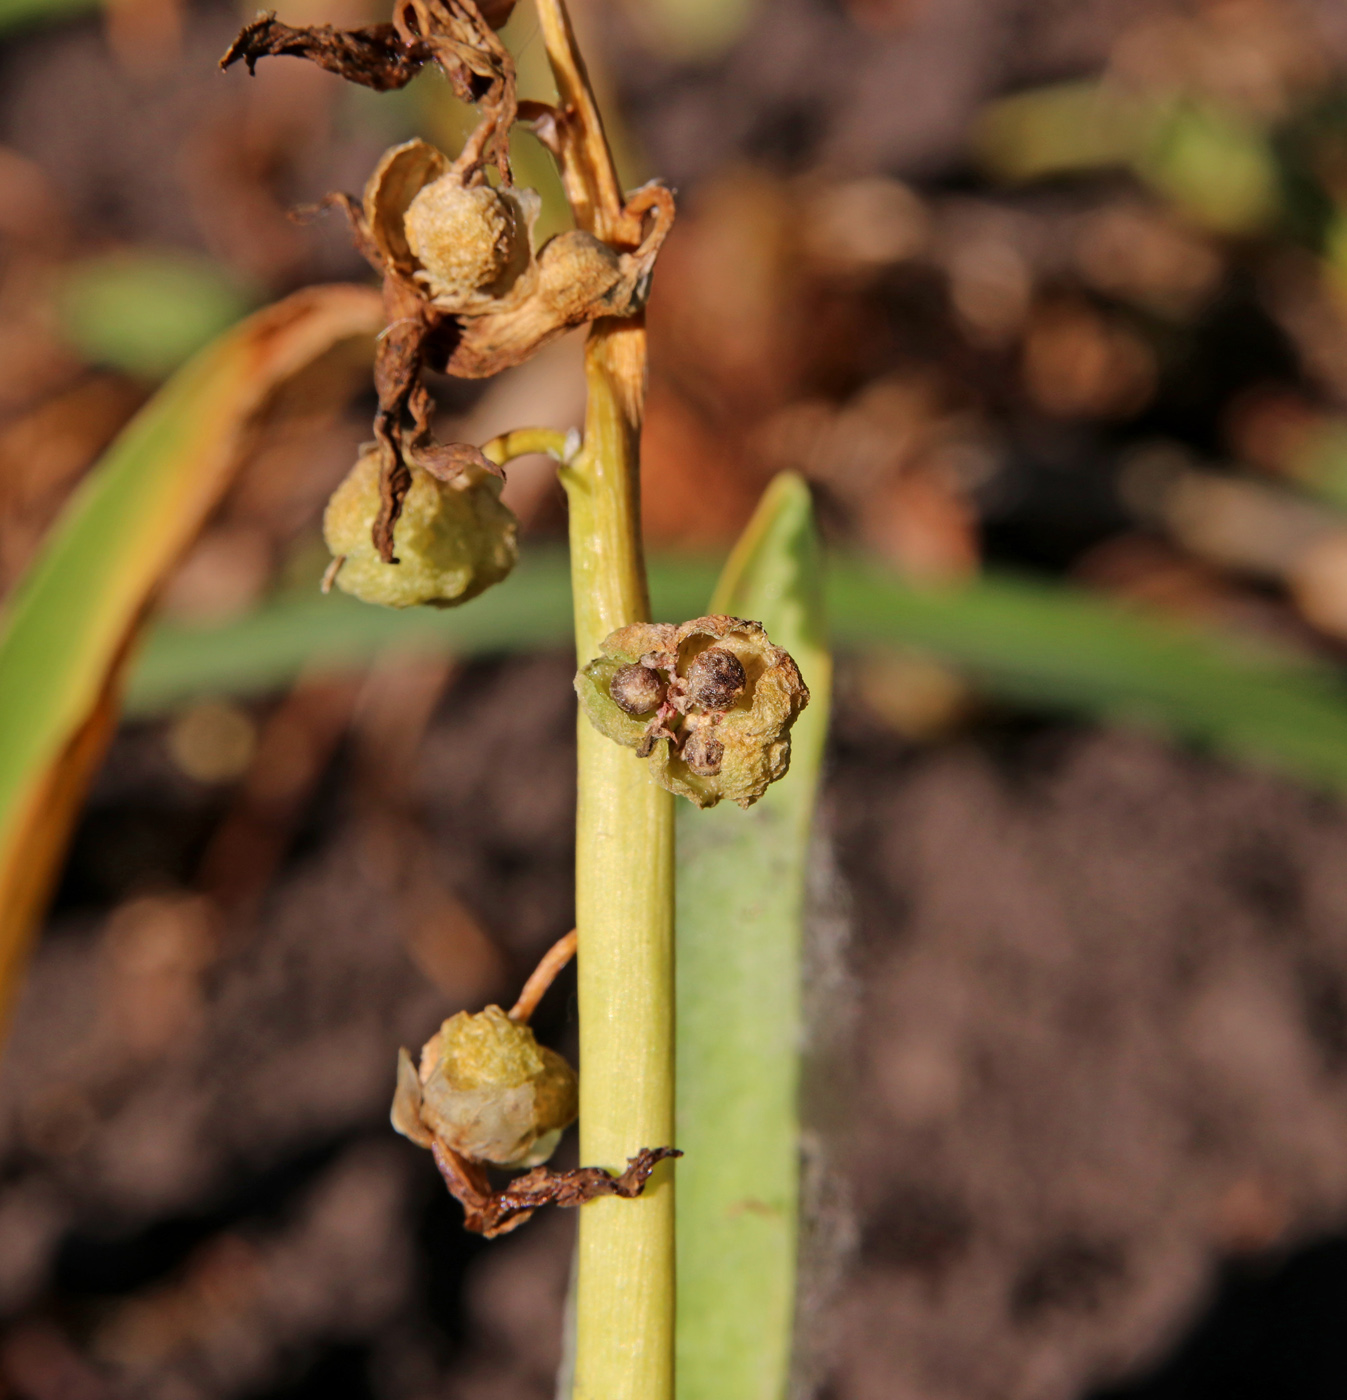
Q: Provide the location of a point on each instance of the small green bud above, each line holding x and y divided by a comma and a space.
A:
487, 1089
722, 729
453, 539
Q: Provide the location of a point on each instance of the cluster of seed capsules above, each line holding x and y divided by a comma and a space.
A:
709, 703
715, 680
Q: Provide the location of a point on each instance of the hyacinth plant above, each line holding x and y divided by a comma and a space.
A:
701, 709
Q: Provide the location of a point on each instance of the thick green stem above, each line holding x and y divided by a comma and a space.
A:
624, 904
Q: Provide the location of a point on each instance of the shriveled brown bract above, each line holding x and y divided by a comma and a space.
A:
491, 1213
472, 332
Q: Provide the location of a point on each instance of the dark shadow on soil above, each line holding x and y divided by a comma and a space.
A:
1276, 1328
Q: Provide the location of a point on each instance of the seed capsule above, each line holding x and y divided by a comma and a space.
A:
637, 689
703, 753
454, 539
487, 1089
738, 693
463, 238
715, 679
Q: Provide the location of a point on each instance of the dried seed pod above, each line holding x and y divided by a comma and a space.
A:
715, 679
753, 731
463, 238
453, 539
488, 1090
637, 689
467, 246
703, 752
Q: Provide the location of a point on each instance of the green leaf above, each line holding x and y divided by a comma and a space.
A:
741, 893
19, 14
1036, 644
1059, 648
146, 312
72, 621
1063, 128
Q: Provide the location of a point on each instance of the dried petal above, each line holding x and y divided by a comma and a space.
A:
406, 1111
452, 539
402, 173
579, 279
492, 1213
374, 56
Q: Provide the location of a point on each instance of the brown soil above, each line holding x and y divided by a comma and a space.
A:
1092, 1023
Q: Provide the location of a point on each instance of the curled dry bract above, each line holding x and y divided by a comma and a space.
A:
680, 742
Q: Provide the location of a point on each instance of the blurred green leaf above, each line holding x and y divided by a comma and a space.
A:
697, 31
741, 898
1216, 165
1043, 645
70, 623
16, 14
146, 312
1060, 648
1060, 129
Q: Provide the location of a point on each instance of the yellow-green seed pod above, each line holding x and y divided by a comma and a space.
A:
730, 716
487, 1089
453, 539
469, 246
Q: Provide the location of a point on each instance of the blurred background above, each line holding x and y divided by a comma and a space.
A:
1020, 286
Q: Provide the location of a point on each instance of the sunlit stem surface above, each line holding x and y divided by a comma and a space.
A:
624, 1303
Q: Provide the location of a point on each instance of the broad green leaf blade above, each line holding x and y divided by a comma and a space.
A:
304, 632
146, 311
1062, 649
73, 618
1041, 645
741, 890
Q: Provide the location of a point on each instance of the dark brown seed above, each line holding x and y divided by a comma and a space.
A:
703, 753
636, 688
715, 680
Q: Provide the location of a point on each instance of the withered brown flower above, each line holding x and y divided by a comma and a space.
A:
466, 293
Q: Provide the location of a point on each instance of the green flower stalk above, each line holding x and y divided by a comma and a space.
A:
419, 522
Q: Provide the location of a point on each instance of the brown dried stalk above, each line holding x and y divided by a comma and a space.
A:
542, 977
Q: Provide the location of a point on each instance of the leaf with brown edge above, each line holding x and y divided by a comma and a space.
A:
75, 615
